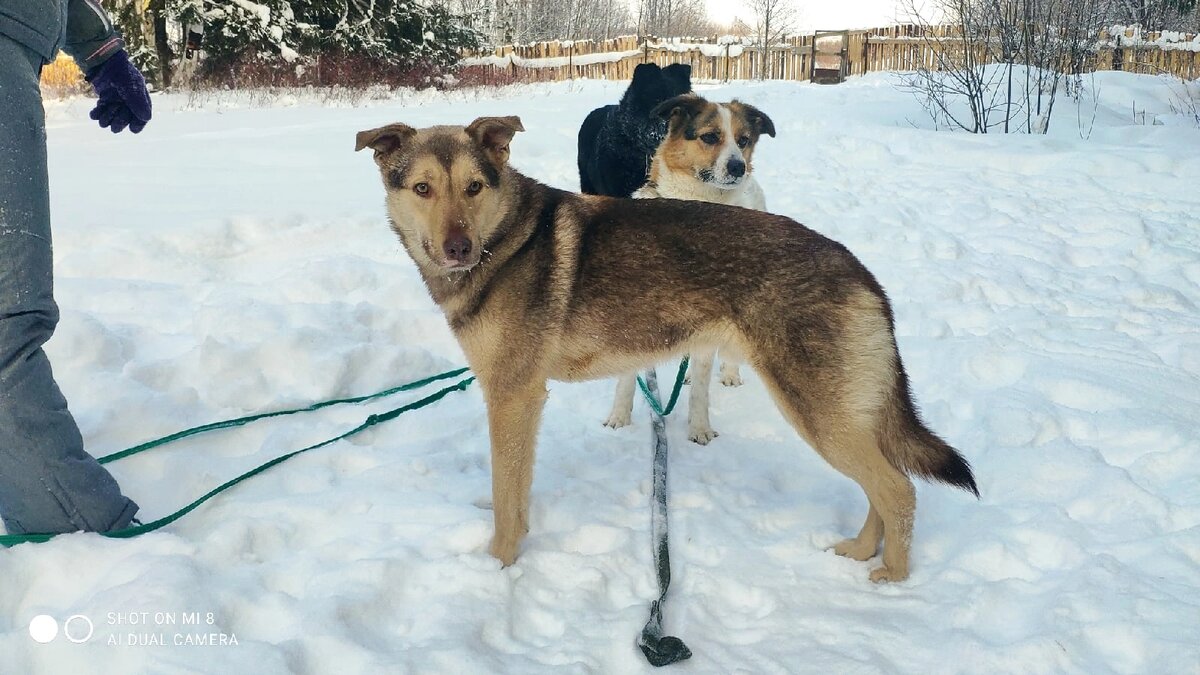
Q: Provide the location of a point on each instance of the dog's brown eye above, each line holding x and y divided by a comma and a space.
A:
474, 188
710, 138
421, 189
743, 141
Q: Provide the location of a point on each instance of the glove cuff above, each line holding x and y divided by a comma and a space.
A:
112, 60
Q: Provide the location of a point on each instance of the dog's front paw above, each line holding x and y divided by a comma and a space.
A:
503, 550
701, 435
882, 574
617, 420
855, 549
731, 378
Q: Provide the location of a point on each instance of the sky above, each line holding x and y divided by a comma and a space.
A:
820, 15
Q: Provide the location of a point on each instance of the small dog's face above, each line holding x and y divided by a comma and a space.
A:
444, 192
712, 141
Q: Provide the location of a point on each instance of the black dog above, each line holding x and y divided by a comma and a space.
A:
616, 142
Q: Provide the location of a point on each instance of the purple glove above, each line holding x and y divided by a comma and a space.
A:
124, 101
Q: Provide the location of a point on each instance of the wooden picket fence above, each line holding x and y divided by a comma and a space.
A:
891, 48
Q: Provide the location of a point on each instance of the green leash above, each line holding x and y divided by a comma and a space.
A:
14, 539
660, 650
241, 421
7, 540
652, 399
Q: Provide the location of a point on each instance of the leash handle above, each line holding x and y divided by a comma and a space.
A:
660, 650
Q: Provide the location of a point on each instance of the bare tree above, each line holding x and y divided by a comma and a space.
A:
985, 44
957, 74
1155, 15
523, 21
773, 20
673, 18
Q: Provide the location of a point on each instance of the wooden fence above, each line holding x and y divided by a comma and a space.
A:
894, 48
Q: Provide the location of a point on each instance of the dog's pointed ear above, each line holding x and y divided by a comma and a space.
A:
679, 77
762, 123
384, 140
493, 135
683, 106
645, 72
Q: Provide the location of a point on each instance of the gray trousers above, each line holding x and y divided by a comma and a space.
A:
47, 482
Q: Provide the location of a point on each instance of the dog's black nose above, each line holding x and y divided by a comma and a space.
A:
736, 168
457, 247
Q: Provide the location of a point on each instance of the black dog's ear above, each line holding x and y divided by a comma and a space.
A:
647, 87
645, 71
493, 134
758, 118
384, 139
683, 106
680, 69
678, 77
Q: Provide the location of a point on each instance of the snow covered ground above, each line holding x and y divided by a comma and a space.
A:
235, 258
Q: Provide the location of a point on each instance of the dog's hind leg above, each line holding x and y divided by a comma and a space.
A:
622, 409
513, 417
866, 544
893, 507
847, 439
894, 500
699, 427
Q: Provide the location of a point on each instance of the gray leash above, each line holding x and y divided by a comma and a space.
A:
660, 650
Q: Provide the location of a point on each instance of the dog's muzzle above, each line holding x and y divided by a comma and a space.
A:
457, 249
457, 253
726, 182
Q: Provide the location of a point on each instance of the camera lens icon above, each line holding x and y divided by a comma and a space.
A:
43, 628
78, 628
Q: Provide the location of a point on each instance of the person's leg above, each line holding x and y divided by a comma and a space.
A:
47, 482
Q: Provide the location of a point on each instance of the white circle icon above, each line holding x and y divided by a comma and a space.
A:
77, 635
43, 628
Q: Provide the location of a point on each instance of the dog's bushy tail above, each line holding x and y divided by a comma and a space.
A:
912, 448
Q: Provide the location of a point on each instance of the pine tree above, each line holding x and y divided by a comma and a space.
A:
404, 34
239, 30
138, 33
397, 32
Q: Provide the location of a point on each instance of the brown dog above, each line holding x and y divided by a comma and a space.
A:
539, 284
706, 155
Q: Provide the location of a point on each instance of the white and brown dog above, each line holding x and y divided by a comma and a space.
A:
706, 156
